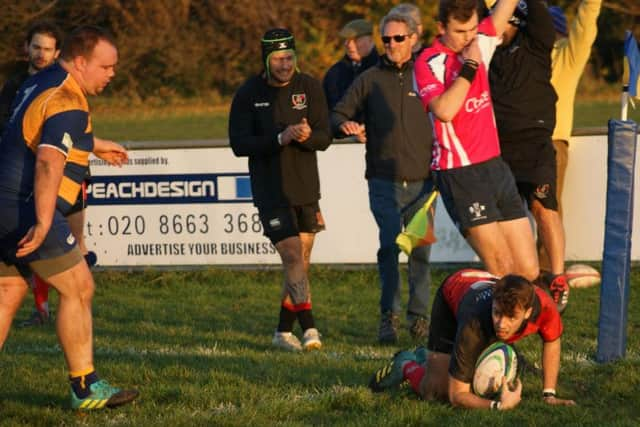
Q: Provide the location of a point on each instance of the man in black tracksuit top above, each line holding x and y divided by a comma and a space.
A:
524, 103
398, 139
279, 119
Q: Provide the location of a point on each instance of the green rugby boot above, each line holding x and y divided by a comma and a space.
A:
103, 395
421, 355
390, 375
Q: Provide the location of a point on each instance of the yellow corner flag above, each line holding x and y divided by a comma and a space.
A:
419, 232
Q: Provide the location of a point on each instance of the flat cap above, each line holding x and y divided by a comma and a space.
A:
356, 28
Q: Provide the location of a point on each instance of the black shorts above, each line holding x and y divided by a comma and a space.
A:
281, 223
443, 326
534, 168
480, 194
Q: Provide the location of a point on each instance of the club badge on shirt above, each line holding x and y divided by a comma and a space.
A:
299, 101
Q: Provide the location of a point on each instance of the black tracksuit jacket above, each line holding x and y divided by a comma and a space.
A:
524, 100
287, 175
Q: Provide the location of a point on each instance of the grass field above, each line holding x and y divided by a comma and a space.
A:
211, 122
197, 346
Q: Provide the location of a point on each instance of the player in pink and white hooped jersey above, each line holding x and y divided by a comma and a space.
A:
458, 141
476, 185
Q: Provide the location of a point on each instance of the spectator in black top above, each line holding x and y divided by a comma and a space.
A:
279, 119
360, 54
42, 47
524, 102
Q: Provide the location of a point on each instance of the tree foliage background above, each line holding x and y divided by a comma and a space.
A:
190, 48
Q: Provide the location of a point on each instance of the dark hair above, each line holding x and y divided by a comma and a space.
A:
513, 291
45, 27
82, 41
460, 10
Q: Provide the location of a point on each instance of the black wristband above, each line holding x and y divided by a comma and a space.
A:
546, 394
468, 72
472, 62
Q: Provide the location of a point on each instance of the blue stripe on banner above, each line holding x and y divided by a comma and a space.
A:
243, 187
169, 189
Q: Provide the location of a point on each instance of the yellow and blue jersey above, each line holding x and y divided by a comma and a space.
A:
50, 109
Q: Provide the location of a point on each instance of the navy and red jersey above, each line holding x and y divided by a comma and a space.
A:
545, 319
469, 295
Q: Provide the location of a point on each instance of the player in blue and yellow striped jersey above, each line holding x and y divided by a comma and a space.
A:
44, 154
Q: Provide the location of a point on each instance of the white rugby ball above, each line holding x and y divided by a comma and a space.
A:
582, 276
496, 361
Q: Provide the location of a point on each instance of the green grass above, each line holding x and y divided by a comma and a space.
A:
597, 113
162, 127
206, 122
197, 346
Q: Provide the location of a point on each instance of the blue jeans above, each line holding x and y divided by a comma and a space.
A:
393, 204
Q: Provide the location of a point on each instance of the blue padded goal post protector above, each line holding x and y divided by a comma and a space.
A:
616, 259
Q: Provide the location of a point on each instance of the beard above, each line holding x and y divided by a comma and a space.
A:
282, 77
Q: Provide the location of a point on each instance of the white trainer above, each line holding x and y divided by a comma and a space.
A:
286, 341
311, 339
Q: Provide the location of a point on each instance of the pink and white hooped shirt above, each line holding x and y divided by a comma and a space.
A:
471, 137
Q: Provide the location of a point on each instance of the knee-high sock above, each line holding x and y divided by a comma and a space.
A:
414, 373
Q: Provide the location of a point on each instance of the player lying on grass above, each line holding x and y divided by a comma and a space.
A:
471, 310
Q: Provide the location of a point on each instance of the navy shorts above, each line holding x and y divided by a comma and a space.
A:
443, 326
282, 222
480, 194
534, 168
16, 217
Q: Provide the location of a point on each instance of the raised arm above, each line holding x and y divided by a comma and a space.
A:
502, 13
583, 32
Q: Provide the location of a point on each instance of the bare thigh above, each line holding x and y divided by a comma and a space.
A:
521, 245
489, 242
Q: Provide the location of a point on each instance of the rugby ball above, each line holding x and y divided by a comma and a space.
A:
496, 361
582, 276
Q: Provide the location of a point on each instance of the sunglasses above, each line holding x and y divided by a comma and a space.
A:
399, 38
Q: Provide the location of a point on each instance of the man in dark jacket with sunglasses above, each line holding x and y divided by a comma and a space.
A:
398, 153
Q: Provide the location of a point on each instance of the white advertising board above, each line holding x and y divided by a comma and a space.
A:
176, 207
